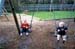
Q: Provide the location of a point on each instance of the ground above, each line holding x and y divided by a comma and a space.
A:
42, 36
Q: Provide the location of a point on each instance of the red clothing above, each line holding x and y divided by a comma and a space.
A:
25, 25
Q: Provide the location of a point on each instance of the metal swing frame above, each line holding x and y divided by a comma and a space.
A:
67, 25
5, 13
30, 20
14, 15
59, 47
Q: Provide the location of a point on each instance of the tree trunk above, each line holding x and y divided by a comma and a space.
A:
74, 1
48, 1
43, 1
74, 19
51, 1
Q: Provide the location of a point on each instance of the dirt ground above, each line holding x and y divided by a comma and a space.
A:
42, 36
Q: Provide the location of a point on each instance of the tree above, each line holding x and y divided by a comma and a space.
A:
74, 1
70, 1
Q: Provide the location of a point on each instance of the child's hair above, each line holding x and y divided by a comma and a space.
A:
61, 24
24, 21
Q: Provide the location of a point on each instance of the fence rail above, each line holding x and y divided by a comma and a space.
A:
46, 7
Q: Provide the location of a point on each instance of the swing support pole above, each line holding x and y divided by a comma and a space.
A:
74, 19
14, 15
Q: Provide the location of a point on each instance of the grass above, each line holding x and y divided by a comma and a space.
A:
46, 15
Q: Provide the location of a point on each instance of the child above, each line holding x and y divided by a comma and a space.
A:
25, 28
61, 31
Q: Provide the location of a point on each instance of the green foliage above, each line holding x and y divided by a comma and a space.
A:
1, 47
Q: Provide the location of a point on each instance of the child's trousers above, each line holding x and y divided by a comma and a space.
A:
64, 37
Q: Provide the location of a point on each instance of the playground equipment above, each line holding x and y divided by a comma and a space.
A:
3, 11
1, 6
31, 20
15, 18
67, 24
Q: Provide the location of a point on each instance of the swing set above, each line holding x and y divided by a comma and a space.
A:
15, 18
3, 11
13, 11
16, 21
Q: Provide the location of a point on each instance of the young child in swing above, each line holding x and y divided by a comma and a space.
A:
25, 28
61, 31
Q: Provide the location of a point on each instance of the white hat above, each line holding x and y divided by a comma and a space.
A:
61, 24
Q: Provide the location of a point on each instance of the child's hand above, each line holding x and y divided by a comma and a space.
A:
58, 30
23, 26
27, 27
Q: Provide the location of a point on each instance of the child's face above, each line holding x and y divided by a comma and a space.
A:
25, 21
61, 25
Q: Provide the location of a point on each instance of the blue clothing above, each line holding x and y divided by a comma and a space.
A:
25, 30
